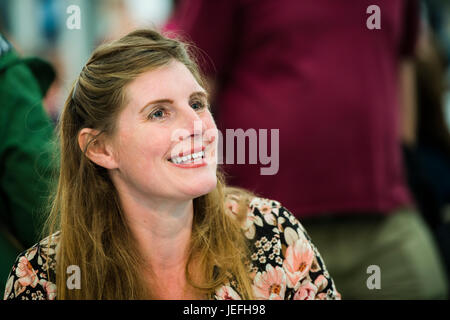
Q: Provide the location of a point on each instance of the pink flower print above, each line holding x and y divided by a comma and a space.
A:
8, 287
18, 288
329, 295
227, 293
30, 254
315, 265
266, 210
270, 219
290, 236
306, 291
280, 222
299, 257
27, 276
321, 296
259, 202
270, 284
321, 283
249, 225
50, 288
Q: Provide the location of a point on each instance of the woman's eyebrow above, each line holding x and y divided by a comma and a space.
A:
197, 94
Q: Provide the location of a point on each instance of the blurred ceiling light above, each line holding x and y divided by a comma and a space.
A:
148, 13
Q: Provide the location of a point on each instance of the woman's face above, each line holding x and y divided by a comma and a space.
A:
166, 116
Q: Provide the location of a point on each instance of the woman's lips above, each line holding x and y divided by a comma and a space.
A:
192, 163
208, 158
197, 163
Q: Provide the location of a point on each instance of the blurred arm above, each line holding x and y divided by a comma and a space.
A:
408, 102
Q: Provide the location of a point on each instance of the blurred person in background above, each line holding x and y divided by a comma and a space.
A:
428, 157
25, 151
343, 96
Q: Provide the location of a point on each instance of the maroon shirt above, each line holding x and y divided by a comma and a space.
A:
313, 70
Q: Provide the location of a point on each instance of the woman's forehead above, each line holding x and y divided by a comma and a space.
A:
173, 78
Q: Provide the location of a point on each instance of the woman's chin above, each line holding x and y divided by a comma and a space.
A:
202, 187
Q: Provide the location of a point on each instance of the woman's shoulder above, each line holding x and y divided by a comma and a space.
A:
263, 215
282, 253
32, 276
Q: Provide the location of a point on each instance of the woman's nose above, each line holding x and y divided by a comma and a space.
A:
189, 125
192, 122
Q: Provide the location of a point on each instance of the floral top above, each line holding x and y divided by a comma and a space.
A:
284, 262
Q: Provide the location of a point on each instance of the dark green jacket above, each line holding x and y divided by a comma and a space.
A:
26, 134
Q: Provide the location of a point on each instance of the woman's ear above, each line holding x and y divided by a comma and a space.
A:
97, 148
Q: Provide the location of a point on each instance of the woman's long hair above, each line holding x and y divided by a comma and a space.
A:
86, 209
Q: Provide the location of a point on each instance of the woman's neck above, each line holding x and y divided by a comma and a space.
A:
162, 231
163, 235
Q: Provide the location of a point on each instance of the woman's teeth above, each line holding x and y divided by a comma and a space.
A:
188, 158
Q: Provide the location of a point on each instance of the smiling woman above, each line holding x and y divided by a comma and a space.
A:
141, 208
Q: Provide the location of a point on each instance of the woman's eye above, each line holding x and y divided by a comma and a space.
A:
197, 105
158, 114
